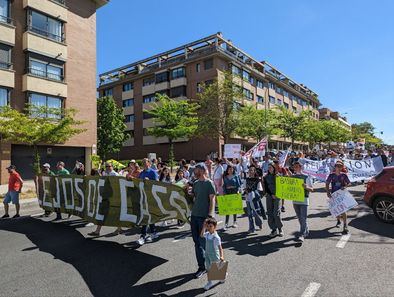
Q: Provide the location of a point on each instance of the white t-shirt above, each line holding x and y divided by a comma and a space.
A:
111, 173
218, 174
216, 239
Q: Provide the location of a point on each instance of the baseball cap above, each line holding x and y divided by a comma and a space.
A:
200, 166
46, 165
133, 161
11, 167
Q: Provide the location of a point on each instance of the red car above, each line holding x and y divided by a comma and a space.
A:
380, 195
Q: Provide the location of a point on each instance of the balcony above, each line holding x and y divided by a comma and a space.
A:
130, 126
148, 140
37, 43
55, 8
149, 89
7, 31
128, 110
178, 82
7, 77
46, 75
32, 83
129, 142
128, 94
162, 86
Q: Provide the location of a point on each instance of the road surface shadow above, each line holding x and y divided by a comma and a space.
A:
369, 223
108, 268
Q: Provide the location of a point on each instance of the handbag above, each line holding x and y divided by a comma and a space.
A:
218, 271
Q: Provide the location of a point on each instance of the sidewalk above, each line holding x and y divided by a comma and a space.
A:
28, 185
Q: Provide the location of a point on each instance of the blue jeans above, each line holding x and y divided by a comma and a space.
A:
252, 213
196, 225
144, 229
302, 213
273, 212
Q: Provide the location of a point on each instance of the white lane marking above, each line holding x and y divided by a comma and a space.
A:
311, 290
36, 215
361, 214
342, 242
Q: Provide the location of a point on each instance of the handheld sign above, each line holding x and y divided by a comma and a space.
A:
230, 204
290, 188
340, 202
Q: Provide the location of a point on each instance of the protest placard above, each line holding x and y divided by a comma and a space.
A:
230, 204
340, 202
290, 188
232, 151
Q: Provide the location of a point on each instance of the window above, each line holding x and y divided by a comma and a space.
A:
161, 77
128, 86
45, 67
236, 70
108, 92
149, 98
146, 116
178, 72
4, 97
131, 133
294, 109
45, 26
259, 84
272, 100
260, 99
286, 105
128, 102
271, 85
279, 102
208, 64
145, 132
248, 94
198, 67
245, 75
5, 11
279, 90
199, 88
285, 93
52, 105
5, 56
178, 92
148, 81
129, 118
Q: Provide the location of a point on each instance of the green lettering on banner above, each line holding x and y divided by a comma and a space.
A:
114, 201
290, 188
230, 204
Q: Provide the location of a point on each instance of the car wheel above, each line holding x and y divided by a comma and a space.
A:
383, 207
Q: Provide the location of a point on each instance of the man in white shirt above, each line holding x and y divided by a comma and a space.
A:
109, 170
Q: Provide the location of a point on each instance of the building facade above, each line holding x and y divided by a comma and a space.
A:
48, 58
180, 73
327, 114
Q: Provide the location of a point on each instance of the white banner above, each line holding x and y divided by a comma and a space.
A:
258, 150
232, 151
340, 202
283, 158
358, 170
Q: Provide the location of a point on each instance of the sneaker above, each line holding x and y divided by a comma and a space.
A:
222, 281
338, 224
163, 224
208, 285
154, 235
235, 225
301, 239
251, 231
281, 234
225, 227
16, 216
282, 209
148, 239
94, 234
180, 226
345, 230
69, 216
199, 273
273, 233
5, 216
141, 241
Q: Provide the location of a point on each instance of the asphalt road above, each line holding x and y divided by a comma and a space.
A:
42, 258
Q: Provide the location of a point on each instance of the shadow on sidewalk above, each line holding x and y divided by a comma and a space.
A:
108, 268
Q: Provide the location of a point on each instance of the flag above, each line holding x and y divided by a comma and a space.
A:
258, 150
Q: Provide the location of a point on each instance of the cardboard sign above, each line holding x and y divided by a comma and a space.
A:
232, 151
218, 271
340, 202
290, 188
230, 204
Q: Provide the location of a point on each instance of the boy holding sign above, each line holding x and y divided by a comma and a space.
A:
301, 208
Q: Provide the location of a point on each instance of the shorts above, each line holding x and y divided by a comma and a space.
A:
11, 196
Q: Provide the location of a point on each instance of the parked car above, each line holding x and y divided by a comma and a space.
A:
380, 195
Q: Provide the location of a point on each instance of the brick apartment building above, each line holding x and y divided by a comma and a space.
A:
327, 114
179, 73
48, 57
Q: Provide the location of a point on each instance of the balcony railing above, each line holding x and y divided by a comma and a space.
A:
5, 65
45, 74
5, 19
62, 2
47, 34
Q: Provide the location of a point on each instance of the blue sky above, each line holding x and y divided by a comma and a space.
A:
343, 50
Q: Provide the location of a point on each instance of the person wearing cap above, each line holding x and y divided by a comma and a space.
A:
203, 191
61, 170
338, 180
15, 184
46, 170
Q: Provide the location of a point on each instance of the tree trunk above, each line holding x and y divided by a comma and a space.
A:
171, 154
36, 166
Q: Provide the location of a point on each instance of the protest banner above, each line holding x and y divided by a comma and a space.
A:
258, 150
230, 204
340, 202
113, 201
283, 158
232, 151
290, 188
318, 170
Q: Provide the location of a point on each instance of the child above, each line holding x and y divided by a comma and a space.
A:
213, 246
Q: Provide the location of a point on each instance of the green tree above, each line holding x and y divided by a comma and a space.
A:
219, 107
38, 125
365, 131
111, 128
173, 119
334, 132
291, 125
256, 123
313, 132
